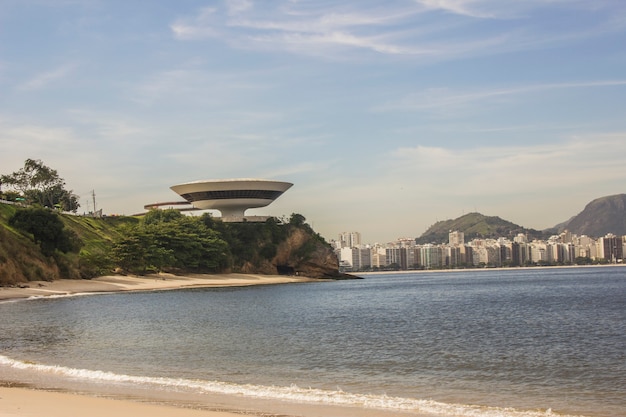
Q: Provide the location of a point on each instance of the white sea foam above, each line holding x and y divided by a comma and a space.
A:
292, 393
53, 295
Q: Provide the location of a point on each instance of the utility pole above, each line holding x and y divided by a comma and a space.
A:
93, 195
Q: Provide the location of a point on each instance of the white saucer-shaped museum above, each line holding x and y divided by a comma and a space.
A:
232, 197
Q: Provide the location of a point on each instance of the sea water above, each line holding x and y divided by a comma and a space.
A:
519, 342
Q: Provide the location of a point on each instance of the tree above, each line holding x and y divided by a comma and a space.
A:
47, 229
41, 184
57, 198
159, 216
95, 263
170, 240
297, 219
130, 250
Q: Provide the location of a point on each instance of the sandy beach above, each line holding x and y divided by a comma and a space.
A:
26, 402
155, 282
22, 402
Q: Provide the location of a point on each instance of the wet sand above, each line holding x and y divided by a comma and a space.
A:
155, 282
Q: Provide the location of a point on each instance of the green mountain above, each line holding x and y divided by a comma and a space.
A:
475, 225
601, 216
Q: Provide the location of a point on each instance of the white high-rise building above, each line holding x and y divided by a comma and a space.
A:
456, 238
350, 239
520, 238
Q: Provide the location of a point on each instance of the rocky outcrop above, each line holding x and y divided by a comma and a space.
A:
302, 253
307, 255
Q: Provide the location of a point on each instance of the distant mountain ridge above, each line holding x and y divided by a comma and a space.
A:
476, 225
601, 216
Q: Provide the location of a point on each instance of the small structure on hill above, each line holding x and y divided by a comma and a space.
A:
232, 197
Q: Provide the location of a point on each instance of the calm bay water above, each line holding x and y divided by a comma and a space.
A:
478, 343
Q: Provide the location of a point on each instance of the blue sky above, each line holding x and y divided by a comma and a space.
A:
386, 115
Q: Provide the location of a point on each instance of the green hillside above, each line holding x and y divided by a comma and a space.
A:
475, 225
21, 258
86, 247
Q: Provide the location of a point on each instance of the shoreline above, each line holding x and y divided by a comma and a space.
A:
500, 268
29, 401
166, 281
129, 283
19, 399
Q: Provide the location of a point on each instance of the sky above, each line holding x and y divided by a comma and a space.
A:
387, 116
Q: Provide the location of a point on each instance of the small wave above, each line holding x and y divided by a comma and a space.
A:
53, 295
68, 295
292, 393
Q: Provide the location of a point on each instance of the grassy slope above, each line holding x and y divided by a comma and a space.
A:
97, 234
21, 260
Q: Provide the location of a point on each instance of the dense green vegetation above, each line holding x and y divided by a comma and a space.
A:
41, 244
47, 229
169, 240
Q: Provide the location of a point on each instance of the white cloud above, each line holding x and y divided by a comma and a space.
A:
286, 27
576, 162
238, 6
498, 9
323, 21
187, 32
397, 28
461, 7
445, 98
44, 79
313, 44
201, 26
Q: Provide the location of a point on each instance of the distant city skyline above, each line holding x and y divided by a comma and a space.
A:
387, 116
565, 248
